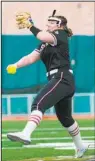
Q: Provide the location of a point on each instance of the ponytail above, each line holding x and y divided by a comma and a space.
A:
64, 24
69, 31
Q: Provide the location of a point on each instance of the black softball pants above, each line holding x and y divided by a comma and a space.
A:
58, 93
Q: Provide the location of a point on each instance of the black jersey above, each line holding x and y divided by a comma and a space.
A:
55, 55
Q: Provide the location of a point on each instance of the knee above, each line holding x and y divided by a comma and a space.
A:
35, 107
67, 122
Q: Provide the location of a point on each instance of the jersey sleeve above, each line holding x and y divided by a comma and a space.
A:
59, 37
39, 48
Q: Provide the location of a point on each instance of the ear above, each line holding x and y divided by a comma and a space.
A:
58, 25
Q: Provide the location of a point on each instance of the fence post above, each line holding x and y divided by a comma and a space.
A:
8, 105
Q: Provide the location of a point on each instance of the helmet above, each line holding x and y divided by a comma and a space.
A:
60, 20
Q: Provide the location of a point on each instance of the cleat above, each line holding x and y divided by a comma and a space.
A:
19, 137
81, 152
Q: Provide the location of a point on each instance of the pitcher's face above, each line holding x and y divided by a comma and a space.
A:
52, 25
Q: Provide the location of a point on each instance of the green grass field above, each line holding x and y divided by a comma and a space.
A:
50, 142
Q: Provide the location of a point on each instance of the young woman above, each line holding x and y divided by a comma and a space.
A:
54, 52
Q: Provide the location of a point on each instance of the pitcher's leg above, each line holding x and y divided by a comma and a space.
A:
46, 98
64, 114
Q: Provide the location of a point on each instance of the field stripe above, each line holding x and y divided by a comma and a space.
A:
50, 129
56, 138
61, 158
64, 146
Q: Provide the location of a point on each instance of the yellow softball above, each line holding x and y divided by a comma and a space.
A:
11, 69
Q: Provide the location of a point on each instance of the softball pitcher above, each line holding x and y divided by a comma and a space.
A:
58, 92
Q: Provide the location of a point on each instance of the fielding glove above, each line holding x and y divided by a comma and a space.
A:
24, 20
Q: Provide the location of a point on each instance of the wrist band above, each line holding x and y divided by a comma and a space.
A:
34, 30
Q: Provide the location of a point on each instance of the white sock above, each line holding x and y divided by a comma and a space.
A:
34, 120
75, 133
